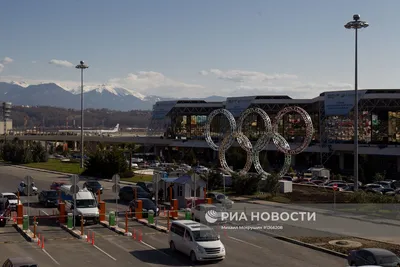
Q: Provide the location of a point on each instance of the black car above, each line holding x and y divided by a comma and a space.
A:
148, 186
147, 205
373, 256
93, 186
4, 211
49, 198
127, 193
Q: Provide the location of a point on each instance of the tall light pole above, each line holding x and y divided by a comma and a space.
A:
356, 24
82, 66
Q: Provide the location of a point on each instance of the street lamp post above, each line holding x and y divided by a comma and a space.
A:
356, 24
82, 66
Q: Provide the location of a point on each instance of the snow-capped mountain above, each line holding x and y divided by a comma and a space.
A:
100, 96
118, 91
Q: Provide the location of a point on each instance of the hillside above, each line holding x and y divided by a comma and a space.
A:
53, 117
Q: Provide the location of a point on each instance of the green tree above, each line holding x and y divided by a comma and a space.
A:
106, 163
245, 184
270, 184
380, 176
39, 153
213, 179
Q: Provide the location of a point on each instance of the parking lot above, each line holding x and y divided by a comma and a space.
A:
111, 249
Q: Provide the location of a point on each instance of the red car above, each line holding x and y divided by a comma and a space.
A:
56, 185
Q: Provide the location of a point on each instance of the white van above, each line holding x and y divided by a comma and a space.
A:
86, 204
196, 240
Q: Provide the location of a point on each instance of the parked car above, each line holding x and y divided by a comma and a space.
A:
196, 240
93, 186
56, 185
374, 188
33, 190
127, 193
147, 205
20, 262
148, 186
49, 198
218, 198
373, 256
12, 200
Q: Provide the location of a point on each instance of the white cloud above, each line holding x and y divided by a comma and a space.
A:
6, 60
242, 76
151, 82
1, 67
61, 63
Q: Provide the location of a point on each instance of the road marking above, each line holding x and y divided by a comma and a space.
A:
150, 246
111, 257
44, 212
244, 242
50, 256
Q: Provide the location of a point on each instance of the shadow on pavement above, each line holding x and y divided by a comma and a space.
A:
162, 257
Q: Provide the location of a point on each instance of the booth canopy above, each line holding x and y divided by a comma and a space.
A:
169, 180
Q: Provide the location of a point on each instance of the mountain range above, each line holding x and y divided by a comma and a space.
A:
97, 97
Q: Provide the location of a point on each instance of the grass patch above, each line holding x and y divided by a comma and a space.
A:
57, 165
139, 178
366, 243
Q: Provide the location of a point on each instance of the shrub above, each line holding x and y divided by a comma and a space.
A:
245, 184
270, 184
106, 163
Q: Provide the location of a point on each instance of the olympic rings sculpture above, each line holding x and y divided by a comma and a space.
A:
253, 151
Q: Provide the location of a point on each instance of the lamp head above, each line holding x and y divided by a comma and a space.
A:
356, 17
82, 62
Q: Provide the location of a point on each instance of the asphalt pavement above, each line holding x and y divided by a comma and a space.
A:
244, 248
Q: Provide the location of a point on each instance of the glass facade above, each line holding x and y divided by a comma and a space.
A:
379, 126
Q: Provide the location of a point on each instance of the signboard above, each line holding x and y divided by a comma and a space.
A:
116, 188
116, 179
236, 105
340, 103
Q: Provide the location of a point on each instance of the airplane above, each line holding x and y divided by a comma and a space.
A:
99, 132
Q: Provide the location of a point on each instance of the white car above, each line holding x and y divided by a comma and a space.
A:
199, 212
12, 200
196, 240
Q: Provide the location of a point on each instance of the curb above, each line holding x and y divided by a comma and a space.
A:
24, 234
303, 244
152, 225
115, 229
73, 232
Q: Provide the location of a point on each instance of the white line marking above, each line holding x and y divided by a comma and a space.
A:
244, 242
105, 253
150, 246
50, 256
44, 212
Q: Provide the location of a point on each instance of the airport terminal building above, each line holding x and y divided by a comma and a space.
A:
182, 123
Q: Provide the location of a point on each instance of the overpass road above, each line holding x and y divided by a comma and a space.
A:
244, 248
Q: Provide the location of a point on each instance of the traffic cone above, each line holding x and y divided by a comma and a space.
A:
38, 240
92, 238
42, 242
140, 236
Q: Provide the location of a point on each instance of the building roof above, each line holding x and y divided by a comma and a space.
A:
189, 179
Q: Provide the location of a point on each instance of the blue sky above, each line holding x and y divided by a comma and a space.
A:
167, 48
